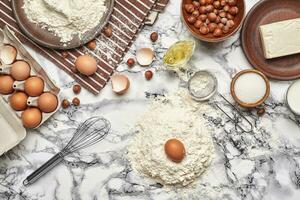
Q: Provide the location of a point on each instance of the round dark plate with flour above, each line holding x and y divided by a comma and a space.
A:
48, 39
265, 12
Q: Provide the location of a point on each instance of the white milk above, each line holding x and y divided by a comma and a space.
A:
250, 88
293, 97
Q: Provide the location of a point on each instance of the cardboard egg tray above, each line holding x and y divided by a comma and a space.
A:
12, 129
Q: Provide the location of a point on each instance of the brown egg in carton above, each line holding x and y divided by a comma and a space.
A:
33, 98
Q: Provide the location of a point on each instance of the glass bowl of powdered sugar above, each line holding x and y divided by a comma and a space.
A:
202, 85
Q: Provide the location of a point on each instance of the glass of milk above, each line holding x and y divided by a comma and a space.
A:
293, 97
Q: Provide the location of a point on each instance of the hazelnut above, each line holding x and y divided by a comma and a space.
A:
209, 2
217, 32
220, 25
212, 17
226, 8
198, 24
76, 89
225, 29
209, 8
196, 13
218, 20
232, 2
233, 10
204, 30
207, 21
65, 104
260, 111
191, 19
76, 101
224, 21
222, 14
74, 70
212, 27
196, 4
215, 11
217, 4
64, 54
108, 31
189, 8
229, 16
223, 3
202, 10
130, 62
230, 23
154, 36
148, 75
202, 2
92, 45
202, 17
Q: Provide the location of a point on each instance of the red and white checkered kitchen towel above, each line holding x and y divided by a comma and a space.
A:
127, 20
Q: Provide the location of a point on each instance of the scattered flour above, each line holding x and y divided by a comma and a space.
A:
176, 116
65, 18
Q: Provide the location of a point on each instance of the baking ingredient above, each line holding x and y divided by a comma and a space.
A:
179, 54
20, 70
175, 150
76, 101
8, 54
31, 117
76, 89
64, 54
250, 88
293, 97
120, 84
148, 75
47, 102
130, 62
6, 84
260, 111
65, 103
145, 56
174, 116
211, 12
280, 38
108, 31
86, 65
154, 36
67, 18
18, 101
34, 86
92, 45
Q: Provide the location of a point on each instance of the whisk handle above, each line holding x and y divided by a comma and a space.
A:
50, 164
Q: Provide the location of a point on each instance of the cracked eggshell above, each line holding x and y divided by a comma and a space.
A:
120, 84
145, 56
8, 54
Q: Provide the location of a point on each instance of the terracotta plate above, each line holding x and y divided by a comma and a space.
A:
265, 12
48, 39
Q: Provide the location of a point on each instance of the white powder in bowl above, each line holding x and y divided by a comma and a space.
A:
176, 116
65, 18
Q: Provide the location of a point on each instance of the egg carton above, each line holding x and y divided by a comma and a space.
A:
12, 130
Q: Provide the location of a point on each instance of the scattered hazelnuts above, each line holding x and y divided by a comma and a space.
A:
148, 75
130, 62
154, 36
65, 104
92, 45
64, 54
212, 16
260, 111
76, 101
76, 89
108, 31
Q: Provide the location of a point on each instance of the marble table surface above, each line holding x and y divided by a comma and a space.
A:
264, 164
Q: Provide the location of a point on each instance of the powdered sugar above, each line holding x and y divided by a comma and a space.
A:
65, 18
176, 116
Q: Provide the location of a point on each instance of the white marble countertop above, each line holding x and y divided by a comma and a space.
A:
264, 164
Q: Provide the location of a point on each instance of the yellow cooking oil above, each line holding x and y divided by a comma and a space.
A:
179, 54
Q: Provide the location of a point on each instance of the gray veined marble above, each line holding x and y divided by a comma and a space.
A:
264, 164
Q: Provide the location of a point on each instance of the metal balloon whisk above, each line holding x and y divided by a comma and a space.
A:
87, 134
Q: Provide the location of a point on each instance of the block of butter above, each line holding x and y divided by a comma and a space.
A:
281, 38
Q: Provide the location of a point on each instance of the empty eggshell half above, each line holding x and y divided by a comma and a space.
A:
120, 84
145, 56
8, 54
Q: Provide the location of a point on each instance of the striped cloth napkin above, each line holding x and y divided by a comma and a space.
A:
127, 19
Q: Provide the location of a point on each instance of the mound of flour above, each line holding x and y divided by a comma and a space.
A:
176, 116
65, 17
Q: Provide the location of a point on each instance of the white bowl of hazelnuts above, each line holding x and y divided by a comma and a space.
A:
213, 20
